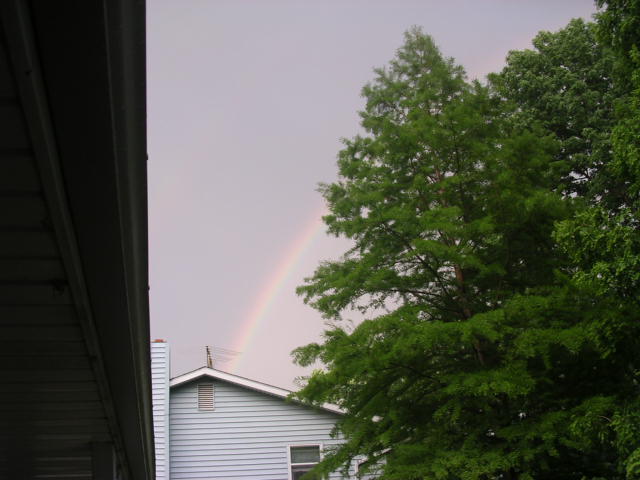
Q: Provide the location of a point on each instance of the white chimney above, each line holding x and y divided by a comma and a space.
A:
160, 360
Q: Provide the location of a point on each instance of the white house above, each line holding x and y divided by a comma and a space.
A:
210, 424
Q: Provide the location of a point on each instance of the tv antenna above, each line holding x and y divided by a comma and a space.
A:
209, 359
215, 355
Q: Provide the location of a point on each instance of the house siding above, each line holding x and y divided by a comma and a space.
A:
246, 435
160, 395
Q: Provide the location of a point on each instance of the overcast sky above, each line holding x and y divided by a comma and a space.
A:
247, 102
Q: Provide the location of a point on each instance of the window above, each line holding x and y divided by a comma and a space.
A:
205, 396
302, 458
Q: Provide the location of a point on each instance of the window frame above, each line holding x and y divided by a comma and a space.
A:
295, 445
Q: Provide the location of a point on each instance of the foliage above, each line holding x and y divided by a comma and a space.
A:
619, 27
604, 242
481, 356
565, 84
601, 241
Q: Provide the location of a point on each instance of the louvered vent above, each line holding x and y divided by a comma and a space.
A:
205, 396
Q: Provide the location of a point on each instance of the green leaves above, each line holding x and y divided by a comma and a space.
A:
565, 86
495, 265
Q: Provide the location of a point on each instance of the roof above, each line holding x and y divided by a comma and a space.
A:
75, 383
214, 374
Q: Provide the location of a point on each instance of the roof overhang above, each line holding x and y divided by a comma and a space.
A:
80, 101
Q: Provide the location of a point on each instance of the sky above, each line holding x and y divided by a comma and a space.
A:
247, 103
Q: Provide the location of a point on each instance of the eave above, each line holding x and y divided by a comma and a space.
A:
73, 240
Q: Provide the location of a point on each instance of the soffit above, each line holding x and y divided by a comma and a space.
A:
50, 407
73, 289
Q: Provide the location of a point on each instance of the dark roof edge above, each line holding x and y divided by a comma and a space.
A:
125, 32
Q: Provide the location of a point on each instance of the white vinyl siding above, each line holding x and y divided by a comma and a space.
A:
247, 436
160, 395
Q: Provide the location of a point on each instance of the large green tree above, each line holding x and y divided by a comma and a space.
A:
604, 241
565, 84
478, 357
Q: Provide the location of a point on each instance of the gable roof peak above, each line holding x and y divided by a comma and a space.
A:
214, 374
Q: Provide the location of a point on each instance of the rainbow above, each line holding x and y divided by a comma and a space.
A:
272, 287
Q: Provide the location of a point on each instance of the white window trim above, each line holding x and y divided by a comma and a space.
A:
289, 465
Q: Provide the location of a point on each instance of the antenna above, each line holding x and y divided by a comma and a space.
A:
209, 359
217, 355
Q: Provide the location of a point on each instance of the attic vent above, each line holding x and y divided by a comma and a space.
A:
205, 396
